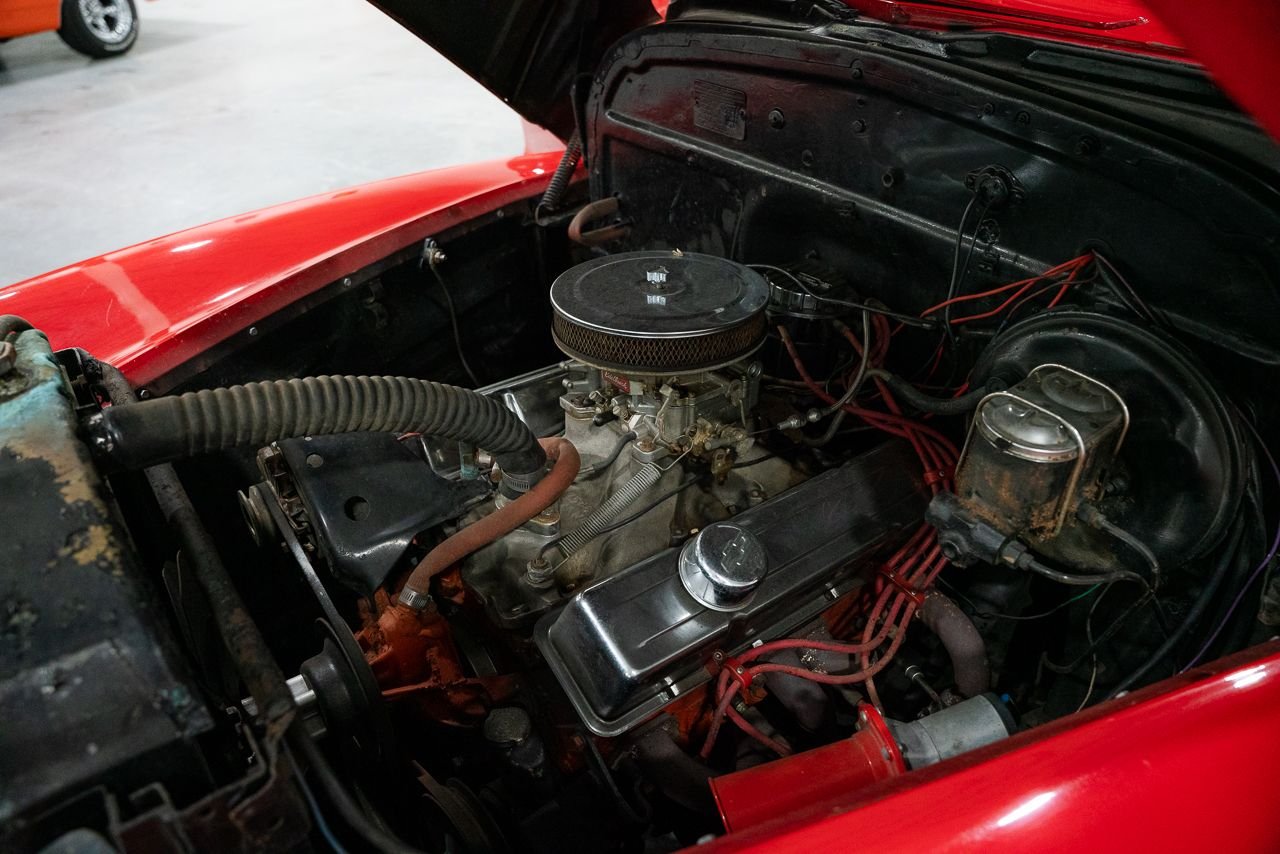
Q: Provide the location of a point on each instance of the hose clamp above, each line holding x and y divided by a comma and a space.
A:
518, 484
415, 600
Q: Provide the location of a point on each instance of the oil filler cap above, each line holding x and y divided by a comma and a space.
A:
722, 566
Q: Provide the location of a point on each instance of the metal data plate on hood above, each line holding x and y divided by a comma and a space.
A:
627, 646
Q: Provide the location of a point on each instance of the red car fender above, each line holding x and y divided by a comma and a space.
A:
1235, 39
153, 307
1188, 764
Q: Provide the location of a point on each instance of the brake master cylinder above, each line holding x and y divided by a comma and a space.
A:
1034, 454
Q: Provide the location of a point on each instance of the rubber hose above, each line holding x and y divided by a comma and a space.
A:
1210, 589
674, 772
559, 183
169, 428
500, 522
250, 655
597, 469
11, 323
928, 403
962, 640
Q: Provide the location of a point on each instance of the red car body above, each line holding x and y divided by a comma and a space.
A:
1185, 764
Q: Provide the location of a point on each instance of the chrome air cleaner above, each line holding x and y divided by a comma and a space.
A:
659, 312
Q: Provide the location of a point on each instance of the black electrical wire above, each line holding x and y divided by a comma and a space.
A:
958, 272
1267, 558
1025, 617
430, 258
908, 319
1120, 286
859, 377
838, 406
606, 775
742, 464
1088, 580
318, 814
1198, 607
376, 838
840, 370
1011, 314
1093, 517
1094, 643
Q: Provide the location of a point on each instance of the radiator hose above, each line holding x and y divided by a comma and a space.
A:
500, 522
935, 405
962, 641
256, 414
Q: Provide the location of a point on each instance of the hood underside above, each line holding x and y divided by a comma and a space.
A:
526, 52
529, 52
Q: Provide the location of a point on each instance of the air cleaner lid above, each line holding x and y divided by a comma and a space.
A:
659, 294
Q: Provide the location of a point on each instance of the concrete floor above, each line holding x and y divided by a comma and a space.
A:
223, 106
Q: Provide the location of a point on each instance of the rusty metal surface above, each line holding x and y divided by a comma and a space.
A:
240, 635
415, 660
90, 678
261, 812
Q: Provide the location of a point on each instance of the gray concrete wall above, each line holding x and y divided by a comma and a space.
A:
223, 106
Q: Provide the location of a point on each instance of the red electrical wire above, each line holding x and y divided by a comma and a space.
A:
1078, 264
918, 561
1065, 266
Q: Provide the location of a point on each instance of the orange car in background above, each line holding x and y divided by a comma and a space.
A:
96, 28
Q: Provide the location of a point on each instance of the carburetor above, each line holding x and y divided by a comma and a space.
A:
663, 343
1036, 456
659, 389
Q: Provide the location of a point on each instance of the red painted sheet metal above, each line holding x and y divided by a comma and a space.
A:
154, 306
1190, 764
1233, 39
1236, 41
1124, 24
759, 794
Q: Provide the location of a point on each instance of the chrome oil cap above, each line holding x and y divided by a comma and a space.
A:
722, 566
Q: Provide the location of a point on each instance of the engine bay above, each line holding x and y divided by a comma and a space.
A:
589, 520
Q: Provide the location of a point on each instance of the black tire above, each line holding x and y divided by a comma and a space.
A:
99, 28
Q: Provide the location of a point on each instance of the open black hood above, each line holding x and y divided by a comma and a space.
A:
527, 52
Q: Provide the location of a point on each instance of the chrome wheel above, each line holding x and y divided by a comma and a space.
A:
109, 20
